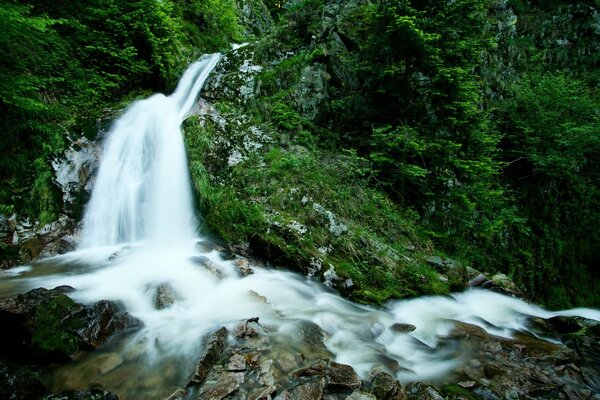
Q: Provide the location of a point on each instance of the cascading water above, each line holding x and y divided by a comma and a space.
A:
143, 196
142, 190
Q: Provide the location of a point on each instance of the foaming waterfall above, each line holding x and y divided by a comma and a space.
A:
143, 189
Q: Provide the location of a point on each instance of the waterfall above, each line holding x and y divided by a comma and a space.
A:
143, 195
142, 192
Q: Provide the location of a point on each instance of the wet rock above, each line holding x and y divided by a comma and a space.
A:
385, 387
244, 330
47, 325
120, 253
243, 266
263, 394
361, 396
219, 390
421, 391
206, 263
342, 378
205, 246
307, 391
402, 328
212, 350
311, 334
266, 373
164, 296
478, 280
18, 383
442, 264
318, 369
227, 255
103, 319
236, 363
83, 395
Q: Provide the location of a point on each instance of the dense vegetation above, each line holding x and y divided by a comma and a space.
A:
470, 124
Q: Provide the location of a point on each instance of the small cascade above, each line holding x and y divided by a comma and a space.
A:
143, 192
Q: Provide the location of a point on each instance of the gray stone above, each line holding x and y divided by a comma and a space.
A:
361, 396
307, 391
385, 387
243, 266
212, 350
421, 391
206, 263
263, 393
219, 390
164, 296
237, 362
342, 378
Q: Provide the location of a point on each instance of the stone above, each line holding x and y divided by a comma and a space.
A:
467, 384
212, 350
243, 330
263, 393
83, 395
421, 391
342, 378
19, 383
403, 328
266, 373
385, 387
164, 296
47, 325
311, 334
205, 246
318, 369
206, 263
307, 391
221, 389
243, 266
477, 280
361, 396
237, 362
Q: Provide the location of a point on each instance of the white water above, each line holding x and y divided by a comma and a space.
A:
143, 197
143, 186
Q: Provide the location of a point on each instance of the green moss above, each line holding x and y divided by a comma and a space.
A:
456, 392
54, 326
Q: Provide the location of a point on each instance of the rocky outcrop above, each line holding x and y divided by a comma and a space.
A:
47, 325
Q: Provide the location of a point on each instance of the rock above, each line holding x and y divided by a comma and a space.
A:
212, 349
361, 396
385, 387
46, 325
219, 390
442, 264
18, 383
205, 262
205, 246
467, 384
243, 266
263, 394
318, 369
164, 296
255, 17
236, 363
83, 395
103, 319
478, 280
244, 330
421, 391
307, 391
402, 328
311, 334
266, 373
342, 378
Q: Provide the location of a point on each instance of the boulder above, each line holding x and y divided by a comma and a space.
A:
219, 390
164, 296
385, 387
46, 325
342, 378
212, 350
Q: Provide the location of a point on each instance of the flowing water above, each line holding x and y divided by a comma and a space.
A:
140, 232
